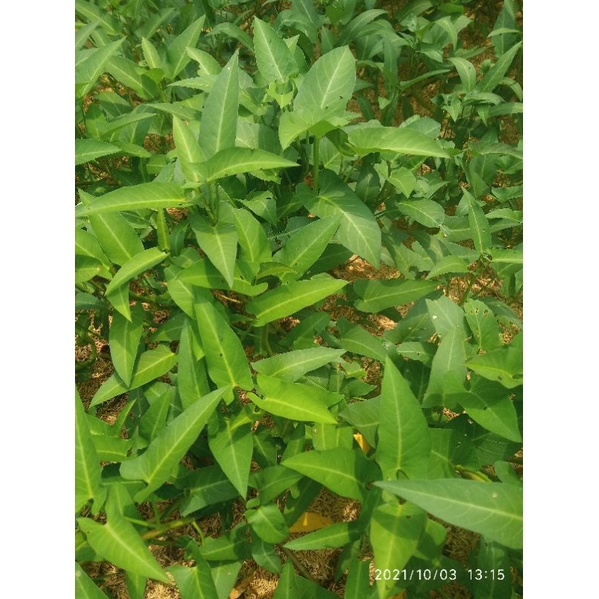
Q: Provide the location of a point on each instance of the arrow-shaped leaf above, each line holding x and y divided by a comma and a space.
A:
380, 294
157, 463
288, 299
403, 437
151, 364
118, 542
340, 470
123, 338
135, 197
219, 118
227, 362
491, 509
331, 537
232, 448
296, 401
393, 139
88, 472
274, 59
90, 149
292, 365
219, 243
234, 161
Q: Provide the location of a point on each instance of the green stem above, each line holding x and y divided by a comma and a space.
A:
316, 162
167, 527
162, 230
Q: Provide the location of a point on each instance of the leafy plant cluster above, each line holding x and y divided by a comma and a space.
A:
232, 160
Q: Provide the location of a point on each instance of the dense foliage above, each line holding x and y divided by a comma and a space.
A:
235, 162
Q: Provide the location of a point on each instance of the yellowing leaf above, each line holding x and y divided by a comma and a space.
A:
309, 521
362, 442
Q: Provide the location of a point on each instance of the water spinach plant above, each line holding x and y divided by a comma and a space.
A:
235, 162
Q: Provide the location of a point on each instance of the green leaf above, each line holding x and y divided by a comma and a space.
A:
491, 509
329, 436
466, 71
355, 27
506, 255
357, 585
262, 204
272, 481
118, 542
90, 63
503, 365
288, 299
140, 263
330, 537
158, 462
208, 65
393, 139
448, 366
359, 231
252, 237
273, 57
207, 486
479, 225
176, 55
403, 436
192, 382
425, 212
128, 73
232, 447
328, 85
494, 76
380, 294
483, 324
88, 471
395, 531
203, 274
87, 246
188, 148
493, 558
307, 245
196, 582
219, 243
292, 365
136, 585
445, 315
90, 149
268, 523
265, 555
85, 587
151, 364
86, 268
225, 574
448, 265
488, 404
235, 32
116, 236
154, 418
233, 161
151, 54
323, 94
219, 117
135, 197
124, 337
92, 13
355, 338
230, 546
295, 401
341, 470
227, 362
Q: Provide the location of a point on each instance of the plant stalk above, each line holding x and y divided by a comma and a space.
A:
316, 162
